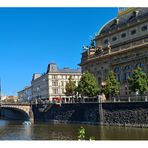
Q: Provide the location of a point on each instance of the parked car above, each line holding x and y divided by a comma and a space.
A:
57, 100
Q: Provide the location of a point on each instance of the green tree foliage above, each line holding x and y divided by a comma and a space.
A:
88, 85
111, 87
138, 82
70, 87
81, 133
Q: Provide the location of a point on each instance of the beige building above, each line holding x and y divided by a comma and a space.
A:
11, 99
52, 83
121, 45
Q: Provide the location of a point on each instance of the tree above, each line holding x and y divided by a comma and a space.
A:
138, 82
70, 87
111, 86
82, 134
87, 85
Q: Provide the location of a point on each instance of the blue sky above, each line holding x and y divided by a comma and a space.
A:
30, 38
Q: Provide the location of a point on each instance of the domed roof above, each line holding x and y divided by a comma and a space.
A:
122, 20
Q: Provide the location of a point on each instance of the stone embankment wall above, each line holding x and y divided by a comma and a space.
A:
123, 114
127, 114
76, 113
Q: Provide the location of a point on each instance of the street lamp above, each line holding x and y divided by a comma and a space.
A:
137, 93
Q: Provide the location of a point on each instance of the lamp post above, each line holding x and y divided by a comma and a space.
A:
137, 93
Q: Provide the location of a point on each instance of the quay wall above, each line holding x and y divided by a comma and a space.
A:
115, 113
75, 113
118, 113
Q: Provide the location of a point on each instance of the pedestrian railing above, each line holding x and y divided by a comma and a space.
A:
128, 99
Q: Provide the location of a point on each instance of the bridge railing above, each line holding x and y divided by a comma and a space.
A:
16, 103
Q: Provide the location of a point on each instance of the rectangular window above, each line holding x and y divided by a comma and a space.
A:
62, 83
67, 77
114, 38
63, 92
130, 74
118, 77
54, 76
133, 32
55, 91
144, 28
123, 35
105, 41
54, 83
125, 76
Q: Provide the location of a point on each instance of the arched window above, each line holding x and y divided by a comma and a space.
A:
140, 65
128, 67
117, 71
99, 80
127, 72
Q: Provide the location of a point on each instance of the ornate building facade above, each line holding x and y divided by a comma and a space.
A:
121, 45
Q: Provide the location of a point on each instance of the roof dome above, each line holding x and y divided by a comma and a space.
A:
128, 17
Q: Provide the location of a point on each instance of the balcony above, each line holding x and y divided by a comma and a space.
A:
117, 50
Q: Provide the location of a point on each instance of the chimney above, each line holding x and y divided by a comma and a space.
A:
35, 76
52, 67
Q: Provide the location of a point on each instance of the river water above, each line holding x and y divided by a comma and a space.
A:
15, 130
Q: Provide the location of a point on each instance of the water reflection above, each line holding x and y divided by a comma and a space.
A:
3, 123
15, 130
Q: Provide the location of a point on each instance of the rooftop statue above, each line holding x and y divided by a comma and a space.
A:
99, 50
92, 44
85, 48
109, 47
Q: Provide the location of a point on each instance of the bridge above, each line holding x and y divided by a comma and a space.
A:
24, 109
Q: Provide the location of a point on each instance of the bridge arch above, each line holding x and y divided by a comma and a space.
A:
17, 112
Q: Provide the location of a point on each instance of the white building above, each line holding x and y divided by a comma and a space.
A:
52, 83
25, 94
3, 98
